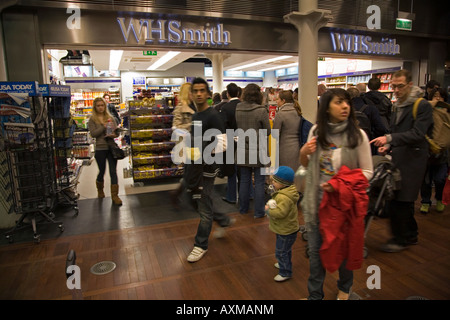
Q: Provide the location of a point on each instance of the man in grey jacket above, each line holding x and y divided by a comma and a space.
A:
409, 150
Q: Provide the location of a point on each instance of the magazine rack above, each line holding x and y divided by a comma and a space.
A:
62, 126
29, 155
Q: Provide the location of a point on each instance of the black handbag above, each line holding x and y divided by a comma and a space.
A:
116, 151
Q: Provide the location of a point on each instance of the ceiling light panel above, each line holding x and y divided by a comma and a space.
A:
114, 59
163, 60
246, 66
280, 67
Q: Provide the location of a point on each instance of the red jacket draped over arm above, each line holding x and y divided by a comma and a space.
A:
341, 216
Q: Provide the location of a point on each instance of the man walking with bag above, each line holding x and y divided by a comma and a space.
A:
409, 150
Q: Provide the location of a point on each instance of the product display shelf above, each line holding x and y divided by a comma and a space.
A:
385, 78
150, 132
82, 144
114, 97
336, 82
82, 100
346, 80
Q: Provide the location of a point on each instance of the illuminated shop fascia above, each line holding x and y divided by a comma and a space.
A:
355, 43
162, 31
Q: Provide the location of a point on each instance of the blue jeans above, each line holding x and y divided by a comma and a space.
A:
317, 272
232, 187
245, 190
283, 253
101, 156
207, 214
437, 174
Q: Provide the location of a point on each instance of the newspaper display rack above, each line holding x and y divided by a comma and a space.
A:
62, 126
27, 141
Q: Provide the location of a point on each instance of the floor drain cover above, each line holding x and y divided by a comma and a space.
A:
103, 267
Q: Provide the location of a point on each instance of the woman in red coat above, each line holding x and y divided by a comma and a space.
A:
335, 141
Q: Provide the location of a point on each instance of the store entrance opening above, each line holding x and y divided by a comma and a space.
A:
133, 75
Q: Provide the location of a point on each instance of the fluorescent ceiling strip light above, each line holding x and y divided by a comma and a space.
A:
281, 67
114, 59
259, 62
164, 59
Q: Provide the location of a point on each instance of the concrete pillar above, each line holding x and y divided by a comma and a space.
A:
307, 5
217, 66
308, 22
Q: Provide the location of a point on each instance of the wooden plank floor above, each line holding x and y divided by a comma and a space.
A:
151, 264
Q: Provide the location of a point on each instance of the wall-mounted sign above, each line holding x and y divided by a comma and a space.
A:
139, 81
54, 90
355, 43
159, 31
150, 53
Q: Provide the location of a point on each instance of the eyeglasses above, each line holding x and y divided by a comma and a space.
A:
398, 86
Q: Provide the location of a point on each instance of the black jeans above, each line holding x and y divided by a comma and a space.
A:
403, 224
101, 156
208, 214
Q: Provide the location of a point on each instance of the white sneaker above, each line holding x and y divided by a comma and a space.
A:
277, 265
280, 278
196, 254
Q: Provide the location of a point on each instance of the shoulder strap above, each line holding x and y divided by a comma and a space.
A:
415, 107
363, 108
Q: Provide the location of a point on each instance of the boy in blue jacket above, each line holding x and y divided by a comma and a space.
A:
283, 214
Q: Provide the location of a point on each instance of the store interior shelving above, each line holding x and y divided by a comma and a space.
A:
150, 134
82, 99
83, 147
347, 80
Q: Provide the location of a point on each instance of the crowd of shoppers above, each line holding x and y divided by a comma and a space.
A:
337, 157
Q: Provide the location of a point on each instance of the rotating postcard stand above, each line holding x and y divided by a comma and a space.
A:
28, 147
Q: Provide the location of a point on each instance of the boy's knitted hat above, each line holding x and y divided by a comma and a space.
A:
284, 175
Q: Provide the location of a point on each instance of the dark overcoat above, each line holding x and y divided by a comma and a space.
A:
410, 149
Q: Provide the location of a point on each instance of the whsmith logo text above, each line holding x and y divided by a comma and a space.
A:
344, 42
158, 31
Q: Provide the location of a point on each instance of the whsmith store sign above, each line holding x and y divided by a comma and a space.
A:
160, 31
355, 43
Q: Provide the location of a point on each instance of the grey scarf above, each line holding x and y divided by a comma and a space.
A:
313, 193
398, 107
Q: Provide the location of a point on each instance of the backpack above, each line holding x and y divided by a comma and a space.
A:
303, 131
384, 107
440, 138
364, 121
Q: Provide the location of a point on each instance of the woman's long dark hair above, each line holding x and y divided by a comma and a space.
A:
353, 131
